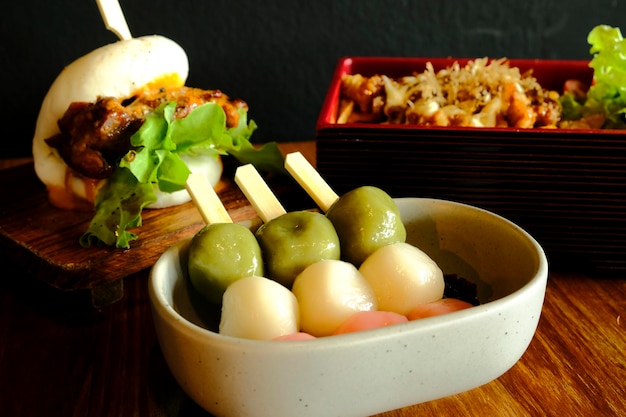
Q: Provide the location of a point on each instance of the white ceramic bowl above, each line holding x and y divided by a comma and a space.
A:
369, 372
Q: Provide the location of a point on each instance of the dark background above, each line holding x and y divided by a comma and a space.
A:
279, 55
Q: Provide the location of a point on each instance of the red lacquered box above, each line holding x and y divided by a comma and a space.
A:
566, 187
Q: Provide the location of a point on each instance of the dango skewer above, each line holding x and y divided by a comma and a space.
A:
373, 237
302, 251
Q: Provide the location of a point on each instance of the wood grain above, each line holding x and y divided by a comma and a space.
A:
59, 354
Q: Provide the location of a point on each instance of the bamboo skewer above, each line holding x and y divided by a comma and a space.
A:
114, 19
206, 199
309, 179
258, 193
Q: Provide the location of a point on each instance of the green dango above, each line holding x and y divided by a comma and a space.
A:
295, 240
365, 218
219, 255
289, 241
221, 252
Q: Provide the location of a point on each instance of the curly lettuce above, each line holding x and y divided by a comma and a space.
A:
155, 161
607, 94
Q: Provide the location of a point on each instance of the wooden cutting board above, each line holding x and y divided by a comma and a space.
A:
45, 240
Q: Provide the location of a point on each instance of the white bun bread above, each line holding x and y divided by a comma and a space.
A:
118, 69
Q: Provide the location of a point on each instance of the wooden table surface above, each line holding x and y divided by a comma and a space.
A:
61, 357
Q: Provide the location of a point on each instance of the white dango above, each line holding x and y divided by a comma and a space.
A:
258, 308
403, 276
328, 293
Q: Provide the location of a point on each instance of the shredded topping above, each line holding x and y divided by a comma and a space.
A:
482, 93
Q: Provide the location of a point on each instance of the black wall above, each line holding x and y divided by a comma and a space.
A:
279, 55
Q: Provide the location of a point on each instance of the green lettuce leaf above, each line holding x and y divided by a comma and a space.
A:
155, 161
118, 207
607, 94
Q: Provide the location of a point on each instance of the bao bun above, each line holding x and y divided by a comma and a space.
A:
118, 69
